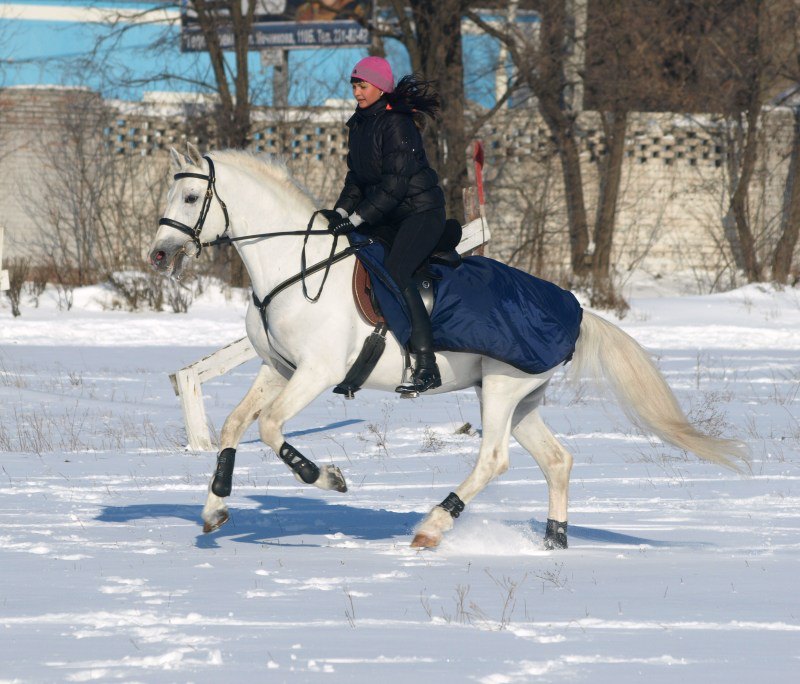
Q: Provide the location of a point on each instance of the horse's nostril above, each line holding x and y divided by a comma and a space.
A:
159, 256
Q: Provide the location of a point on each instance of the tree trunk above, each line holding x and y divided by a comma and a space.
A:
233, 89
754, 79
550, 88
561, 128
240, 121
543, 70
790, 222
610, 172
233, 115
439, 45
740, 199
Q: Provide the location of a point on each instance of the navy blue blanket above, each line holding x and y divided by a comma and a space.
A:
486, 307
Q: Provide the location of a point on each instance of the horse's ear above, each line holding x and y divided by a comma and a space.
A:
194, 154
175, 161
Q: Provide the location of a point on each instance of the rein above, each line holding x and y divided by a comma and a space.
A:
300, 277
194, 233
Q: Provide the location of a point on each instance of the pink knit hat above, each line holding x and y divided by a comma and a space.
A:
375, 70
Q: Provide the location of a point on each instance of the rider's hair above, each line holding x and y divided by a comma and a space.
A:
415, 92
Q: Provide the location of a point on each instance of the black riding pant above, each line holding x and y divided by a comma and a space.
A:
416, 239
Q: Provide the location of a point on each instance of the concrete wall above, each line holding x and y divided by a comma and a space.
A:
30, 129
669, 215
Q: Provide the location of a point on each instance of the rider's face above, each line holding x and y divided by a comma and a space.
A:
366, 94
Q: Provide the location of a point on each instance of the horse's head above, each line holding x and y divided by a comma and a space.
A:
194, 214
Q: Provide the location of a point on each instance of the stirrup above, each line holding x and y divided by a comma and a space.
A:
423, 380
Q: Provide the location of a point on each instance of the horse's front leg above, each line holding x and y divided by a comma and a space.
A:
267, 385
305, 385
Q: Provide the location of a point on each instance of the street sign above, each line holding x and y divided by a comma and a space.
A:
284, 24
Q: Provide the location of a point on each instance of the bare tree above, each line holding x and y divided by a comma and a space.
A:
95, 208
744, 117
527, 193
786, 245
232, 77
790, 221
715, 56
18, 270
228, 79
545, 67
761, 58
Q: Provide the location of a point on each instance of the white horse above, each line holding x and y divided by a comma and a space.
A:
307, 347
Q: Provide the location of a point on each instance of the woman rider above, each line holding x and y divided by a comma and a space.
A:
389, 184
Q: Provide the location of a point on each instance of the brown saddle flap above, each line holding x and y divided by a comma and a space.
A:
362, 294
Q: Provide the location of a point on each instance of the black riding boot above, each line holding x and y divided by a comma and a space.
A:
426, 373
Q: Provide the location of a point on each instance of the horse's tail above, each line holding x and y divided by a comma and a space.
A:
603, 351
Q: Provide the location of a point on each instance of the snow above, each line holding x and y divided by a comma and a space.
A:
676, 568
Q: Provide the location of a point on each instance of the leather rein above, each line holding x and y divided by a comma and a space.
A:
194, 233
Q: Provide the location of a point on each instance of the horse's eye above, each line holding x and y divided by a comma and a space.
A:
191, 199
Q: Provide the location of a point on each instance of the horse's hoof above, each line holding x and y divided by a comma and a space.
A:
555, 536
330, 477
219, 520
554, 544
424, 541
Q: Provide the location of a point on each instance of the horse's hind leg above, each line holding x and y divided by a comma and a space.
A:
501, 391
555, 461
265, 388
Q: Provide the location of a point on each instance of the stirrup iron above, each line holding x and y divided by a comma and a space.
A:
423, 378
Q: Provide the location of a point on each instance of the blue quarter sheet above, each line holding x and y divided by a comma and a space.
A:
486, 307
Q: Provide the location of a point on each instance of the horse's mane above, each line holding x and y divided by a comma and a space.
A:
270, 168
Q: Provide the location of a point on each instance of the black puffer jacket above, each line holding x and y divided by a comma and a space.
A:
388, 175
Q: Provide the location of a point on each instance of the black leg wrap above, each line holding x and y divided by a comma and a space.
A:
305, 469
453, 505
555, 536
222, 484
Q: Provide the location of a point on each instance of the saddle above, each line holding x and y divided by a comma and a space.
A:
445, 255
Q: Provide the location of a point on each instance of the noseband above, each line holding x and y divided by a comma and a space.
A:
211, 192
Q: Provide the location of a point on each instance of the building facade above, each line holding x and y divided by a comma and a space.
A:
670, 215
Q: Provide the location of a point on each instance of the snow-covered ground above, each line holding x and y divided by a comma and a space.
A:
676, 571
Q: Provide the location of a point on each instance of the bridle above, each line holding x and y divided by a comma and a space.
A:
194, 233
211, 192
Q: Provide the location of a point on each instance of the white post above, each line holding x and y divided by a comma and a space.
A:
190, 391
4, 285
188, 382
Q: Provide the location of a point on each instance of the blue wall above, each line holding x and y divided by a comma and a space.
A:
60, 53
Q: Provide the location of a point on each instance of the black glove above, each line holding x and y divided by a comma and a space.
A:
337, 224
330, 215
